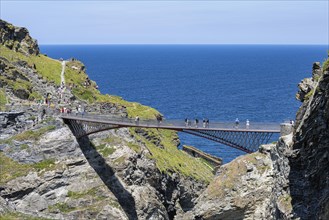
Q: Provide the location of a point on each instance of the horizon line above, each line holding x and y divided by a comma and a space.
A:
121, 44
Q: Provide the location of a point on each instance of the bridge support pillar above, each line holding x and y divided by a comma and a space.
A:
286, 128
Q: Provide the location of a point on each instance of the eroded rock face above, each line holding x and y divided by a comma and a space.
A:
241, 190
288, 180
18, 39
309, 182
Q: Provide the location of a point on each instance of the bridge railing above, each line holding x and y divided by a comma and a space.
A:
180, 124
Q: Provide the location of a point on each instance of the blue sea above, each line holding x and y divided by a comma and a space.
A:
219, 82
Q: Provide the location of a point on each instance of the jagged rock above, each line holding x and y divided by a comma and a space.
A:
17, 39
241, 190
305, 86
309, 184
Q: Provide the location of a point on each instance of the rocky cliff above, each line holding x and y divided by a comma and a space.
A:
286, 180
17, 39
139, 173
309, 163
47, 173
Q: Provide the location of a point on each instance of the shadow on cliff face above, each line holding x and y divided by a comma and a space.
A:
106, 173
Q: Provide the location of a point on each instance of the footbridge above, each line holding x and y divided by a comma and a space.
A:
242, 137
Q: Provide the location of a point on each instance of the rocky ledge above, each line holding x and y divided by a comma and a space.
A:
139, 173
47, 173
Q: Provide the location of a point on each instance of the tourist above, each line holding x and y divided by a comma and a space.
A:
137, 119
237, 122
196, 122
247, 124
204, 123
186, 122
207, 122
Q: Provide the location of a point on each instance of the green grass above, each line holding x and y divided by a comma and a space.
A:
3, 100
62, 207
18, 216
33, 134
46, 67
105, 150
309, 94
232, 173
44, 164
134, 147
325, 65
120, 160
169, 159
92, 193
24, 146
11, 169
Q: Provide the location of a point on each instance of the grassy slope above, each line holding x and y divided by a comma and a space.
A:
3, 100
169, 159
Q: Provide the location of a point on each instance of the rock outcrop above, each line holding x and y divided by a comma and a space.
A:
139, 173
309, 163
287, 180
46, 172
17, 39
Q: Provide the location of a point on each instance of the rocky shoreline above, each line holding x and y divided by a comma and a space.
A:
46, 173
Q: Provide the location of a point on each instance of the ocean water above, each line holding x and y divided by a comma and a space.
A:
219, 82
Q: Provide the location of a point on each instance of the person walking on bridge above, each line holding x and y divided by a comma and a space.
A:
237, 122
196, 122
247, 124
186, 122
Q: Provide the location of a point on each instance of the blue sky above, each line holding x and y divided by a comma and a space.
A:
171, 22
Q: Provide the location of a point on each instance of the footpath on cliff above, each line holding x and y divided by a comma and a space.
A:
47, 173
134, 173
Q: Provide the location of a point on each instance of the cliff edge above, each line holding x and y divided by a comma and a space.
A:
46, 173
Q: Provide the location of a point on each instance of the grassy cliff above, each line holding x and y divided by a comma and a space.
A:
168, 158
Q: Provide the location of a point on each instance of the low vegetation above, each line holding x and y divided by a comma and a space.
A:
325, 65
170, 159
105, 150
10, 169
44, 165
230, 177
92, 193
17, 215
3, 100
62, 207
47, 68
33, 134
